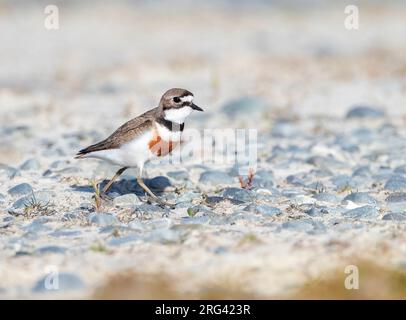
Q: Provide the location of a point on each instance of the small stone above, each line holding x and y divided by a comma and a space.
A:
263, 209
167, 236
395, 216
126, 200
364, 112
6, 221
123, 240
215, 178
362, 212
2, 198
31, 164
396, 183
65, 233
136, 225
326, 197
213, 200
178, 175
362, 172
396, 197
284, 129
37, 226
253, 106
51, 249
58, 282
360, 198
317, 211
159, 183
60, 164
7, 171
238, 194
103, 219
21, 189
298, 225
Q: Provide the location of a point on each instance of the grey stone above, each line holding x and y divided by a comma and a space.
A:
317, 211
263, 209
326, 197
361, 198
7, 171
60, 164
253, 106
30, 164
165, 236
396, 183
362, 172
213, 200
158, 183
178, 175
344, 182
58, 282
396, 197
6, 221
238, 194
51, 249
395, 216
188, 196
326, 162
41, 197
298, 225
65, 233
2, 198
103, 219
196, 220
21, 189
37, 226
364, 112
215, 178
137, 225
284, 129
126, 200
362, 212
123, 240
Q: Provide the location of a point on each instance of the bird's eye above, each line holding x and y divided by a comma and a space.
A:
176, 99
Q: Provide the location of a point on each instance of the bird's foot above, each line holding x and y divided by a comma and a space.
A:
161, 202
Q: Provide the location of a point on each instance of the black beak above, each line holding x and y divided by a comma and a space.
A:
195, 107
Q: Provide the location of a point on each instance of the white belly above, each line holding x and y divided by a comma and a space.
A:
132, 154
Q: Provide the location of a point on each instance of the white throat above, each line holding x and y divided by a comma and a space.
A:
177, 115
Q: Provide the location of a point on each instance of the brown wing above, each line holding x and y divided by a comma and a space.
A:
127, 132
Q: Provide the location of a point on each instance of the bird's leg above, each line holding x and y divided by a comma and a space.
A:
153, 196
108, 185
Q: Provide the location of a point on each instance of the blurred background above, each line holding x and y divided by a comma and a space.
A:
289, 68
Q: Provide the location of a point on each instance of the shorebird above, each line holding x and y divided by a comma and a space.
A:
153, 134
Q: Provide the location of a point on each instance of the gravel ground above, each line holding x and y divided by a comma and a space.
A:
328, 104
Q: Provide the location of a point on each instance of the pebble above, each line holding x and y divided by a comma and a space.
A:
214, 178
396, 183
51, 249
123, 240
362, 212
395, 216
31, 164
103, 219
42, 197
360, 198
6, 221
126, 200
362, 111
238, 194
396, 197
7, 171
58, 282
298, 225
326, 197
263, 209
21, 189
158, 183
317, 211
178, 175
2, 198
254, 106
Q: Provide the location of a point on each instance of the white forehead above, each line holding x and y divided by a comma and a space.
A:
186, 99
